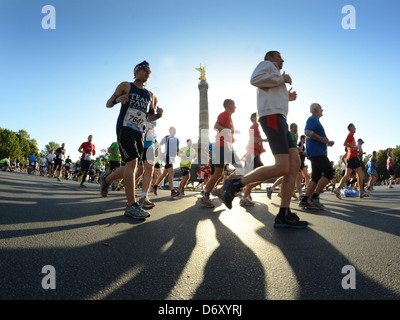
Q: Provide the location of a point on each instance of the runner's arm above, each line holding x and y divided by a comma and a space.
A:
121, 94
350, 146
312, 135
155, 112
266, 75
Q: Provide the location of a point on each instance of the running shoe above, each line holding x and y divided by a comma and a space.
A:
218, 193
174, 193
316, 203
181, 192
269, 192
135, 211
146, 203
308, 204
104, 185
337, 193
246, 202
364, 194
82, 185
114, 185
205, 201
291, 220
230, 191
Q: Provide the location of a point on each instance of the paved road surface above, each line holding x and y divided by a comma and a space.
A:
185, 251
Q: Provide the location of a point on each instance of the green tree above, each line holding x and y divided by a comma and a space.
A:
104, 155
396, 160
28, 145
9, 144
381, 157
16, 144
50, 146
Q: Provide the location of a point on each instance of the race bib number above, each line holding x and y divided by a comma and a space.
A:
189, 155
134, 119
87, 156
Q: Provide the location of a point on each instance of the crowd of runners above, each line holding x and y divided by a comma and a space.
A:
137, 157
57, 165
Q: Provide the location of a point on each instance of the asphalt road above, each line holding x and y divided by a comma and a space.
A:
187, 252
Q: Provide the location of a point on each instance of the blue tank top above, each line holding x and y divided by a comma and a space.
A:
133, 114
371, 163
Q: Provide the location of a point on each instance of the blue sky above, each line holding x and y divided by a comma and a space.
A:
55, 83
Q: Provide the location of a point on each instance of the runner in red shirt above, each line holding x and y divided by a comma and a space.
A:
207, 172
87, 149
253, 160
223, 152
225, 136
353, 163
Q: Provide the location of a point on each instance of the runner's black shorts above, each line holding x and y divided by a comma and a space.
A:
276, 129
130, 144
114, 164
85, 165
353, 163
321, 165
185, 171
57, 164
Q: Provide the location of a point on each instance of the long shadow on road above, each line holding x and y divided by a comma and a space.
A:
317, 264
146, 260
142, 261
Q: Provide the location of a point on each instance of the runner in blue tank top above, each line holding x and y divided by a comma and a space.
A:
138, 105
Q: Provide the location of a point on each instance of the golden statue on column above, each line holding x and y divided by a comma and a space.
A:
202, 72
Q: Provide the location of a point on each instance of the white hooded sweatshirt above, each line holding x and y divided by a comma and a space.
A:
272, 95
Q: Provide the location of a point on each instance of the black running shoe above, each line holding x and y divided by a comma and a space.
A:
104, 185
291, 220
231, 188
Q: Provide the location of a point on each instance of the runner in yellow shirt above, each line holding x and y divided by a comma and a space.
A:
187, 154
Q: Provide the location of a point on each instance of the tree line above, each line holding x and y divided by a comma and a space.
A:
16, 144
21, 145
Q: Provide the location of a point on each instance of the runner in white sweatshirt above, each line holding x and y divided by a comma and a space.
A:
272, 107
